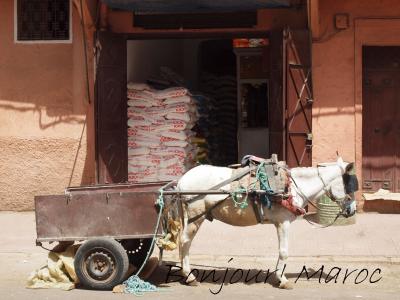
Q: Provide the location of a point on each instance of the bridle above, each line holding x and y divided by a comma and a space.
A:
340, 202
329, 193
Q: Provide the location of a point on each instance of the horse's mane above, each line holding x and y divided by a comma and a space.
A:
309, 171
304, 171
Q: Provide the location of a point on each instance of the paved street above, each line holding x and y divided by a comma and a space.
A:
372, 244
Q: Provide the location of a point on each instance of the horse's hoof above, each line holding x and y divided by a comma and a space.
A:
286, 285
193, 282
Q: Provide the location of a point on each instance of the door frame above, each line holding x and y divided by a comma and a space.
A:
278, 86
368, 32
166, 34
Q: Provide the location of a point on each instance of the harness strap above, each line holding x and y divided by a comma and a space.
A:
225, 182
312, 204
296, 210
304, 196
257, 210
206, 213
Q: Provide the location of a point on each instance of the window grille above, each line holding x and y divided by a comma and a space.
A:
43, 20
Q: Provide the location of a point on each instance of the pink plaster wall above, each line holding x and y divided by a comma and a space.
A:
337, 73
43, 111
43, 98
336, 67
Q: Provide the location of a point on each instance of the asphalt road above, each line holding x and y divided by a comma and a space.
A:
239, 282
372, 243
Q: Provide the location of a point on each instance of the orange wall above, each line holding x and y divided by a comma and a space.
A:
46, 123
43, 108
337, 112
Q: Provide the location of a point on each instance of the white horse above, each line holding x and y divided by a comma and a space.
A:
306, 184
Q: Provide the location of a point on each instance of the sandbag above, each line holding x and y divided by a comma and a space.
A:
144, 103
178, 100
159, 128
179, 135
140, 95
134, 151
170, 93
138, 86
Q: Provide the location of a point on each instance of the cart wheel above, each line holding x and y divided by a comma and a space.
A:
137, 250
101, 264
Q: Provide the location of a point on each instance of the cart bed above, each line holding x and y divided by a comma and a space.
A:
119, 211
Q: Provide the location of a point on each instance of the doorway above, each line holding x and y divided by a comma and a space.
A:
381, 118
206, 68
288, 92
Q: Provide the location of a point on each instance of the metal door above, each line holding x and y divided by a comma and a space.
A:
276, 109
381, 129
111, 109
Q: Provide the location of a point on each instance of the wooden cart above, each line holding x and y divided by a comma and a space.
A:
115, 222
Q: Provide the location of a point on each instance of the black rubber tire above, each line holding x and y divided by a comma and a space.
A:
137, 256
105, 248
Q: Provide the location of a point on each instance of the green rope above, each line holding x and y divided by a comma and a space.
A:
262, 178
240, 191
135, 285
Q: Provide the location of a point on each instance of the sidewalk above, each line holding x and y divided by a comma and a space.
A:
373, 237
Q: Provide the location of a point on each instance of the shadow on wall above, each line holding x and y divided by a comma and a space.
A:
57, 115
46, 130
334, 111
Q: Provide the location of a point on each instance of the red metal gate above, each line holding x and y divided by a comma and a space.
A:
299, 97
291, 97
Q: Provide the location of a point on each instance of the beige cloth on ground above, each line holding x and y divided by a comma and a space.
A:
382, 194
59, 272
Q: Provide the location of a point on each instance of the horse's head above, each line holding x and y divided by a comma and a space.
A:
342, 188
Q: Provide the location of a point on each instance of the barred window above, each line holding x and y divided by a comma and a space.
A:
39, 20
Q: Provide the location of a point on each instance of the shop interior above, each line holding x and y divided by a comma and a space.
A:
228, 80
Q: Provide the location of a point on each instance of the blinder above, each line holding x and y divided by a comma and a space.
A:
351, 186
350, 183
347, 205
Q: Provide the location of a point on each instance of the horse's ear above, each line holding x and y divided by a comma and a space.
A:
349, 167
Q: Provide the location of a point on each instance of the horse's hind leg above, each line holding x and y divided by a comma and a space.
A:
283, 238
187, 234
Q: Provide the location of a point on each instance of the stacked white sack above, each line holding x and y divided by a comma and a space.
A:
160, 123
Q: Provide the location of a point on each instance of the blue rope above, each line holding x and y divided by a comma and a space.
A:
135, 285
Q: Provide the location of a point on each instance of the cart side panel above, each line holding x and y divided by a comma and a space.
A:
86, 215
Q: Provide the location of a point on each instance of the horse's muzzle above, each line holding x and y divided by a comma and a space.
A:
349, 206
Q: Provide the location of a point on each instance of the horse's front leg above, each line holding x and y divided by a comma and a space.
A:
283, 238
187, 234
